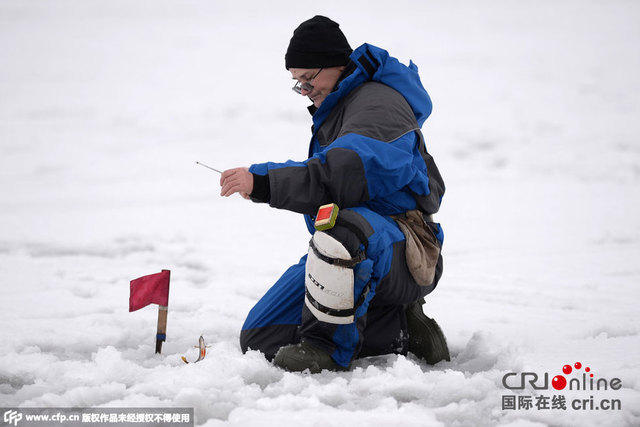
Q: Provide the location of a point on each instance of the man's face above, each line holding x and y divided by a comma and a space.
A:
323, 81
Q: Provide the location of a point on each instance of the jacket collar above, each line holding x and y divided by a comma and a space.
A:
374, 63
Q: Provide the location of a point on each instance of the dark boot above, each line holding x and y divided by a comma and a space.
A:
426, 339
298, 357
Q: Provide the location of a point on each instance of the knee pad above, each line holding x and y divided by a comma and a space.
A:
329, 280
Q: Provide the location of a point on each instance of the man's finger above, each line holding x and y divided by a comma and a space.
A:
237, 180
226, 175
229, 188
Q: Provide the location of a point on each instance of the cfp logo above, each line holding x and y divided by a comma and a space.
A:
12, 417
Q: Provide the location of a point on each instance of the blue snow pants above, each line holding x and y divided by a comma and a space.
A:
383, 287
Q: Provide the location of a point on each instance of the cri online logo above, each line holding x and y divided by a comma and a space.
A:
560, 382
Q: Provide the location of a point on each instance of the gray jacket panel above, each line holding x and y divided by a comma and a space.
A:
373, 110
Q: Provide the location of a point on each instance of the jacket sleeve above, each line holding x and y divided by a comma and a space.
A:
352, 170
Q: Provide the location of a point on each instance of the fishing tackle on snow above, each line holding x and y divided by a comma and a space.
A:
203, 351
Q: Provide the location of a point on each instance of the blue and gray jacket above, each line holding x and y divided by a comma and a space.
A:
366, 149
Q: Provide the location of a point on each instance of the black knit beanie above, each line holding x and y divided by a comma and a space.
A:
317, 43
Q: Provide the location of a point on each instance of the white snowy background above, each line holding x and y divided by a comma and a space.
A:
105, 105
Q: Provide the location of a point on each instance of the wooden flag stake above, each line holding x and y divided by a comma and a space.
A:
162, 327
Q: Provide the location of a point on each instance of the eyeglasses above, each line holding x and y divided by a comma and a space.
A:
299, 86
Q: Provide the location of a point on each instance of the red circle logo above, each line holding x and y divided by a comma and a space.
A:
559, 382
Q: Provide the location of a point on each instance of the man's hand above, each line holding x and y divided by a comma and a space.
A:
237, 180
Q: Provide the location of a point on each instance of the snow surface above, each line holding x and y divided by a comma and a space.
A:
106, 105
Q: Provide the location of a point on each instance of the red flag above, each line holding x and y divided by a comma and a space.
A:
151, 289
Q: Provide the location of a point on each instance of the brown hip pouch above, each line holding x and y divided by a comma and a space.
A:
422, 249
